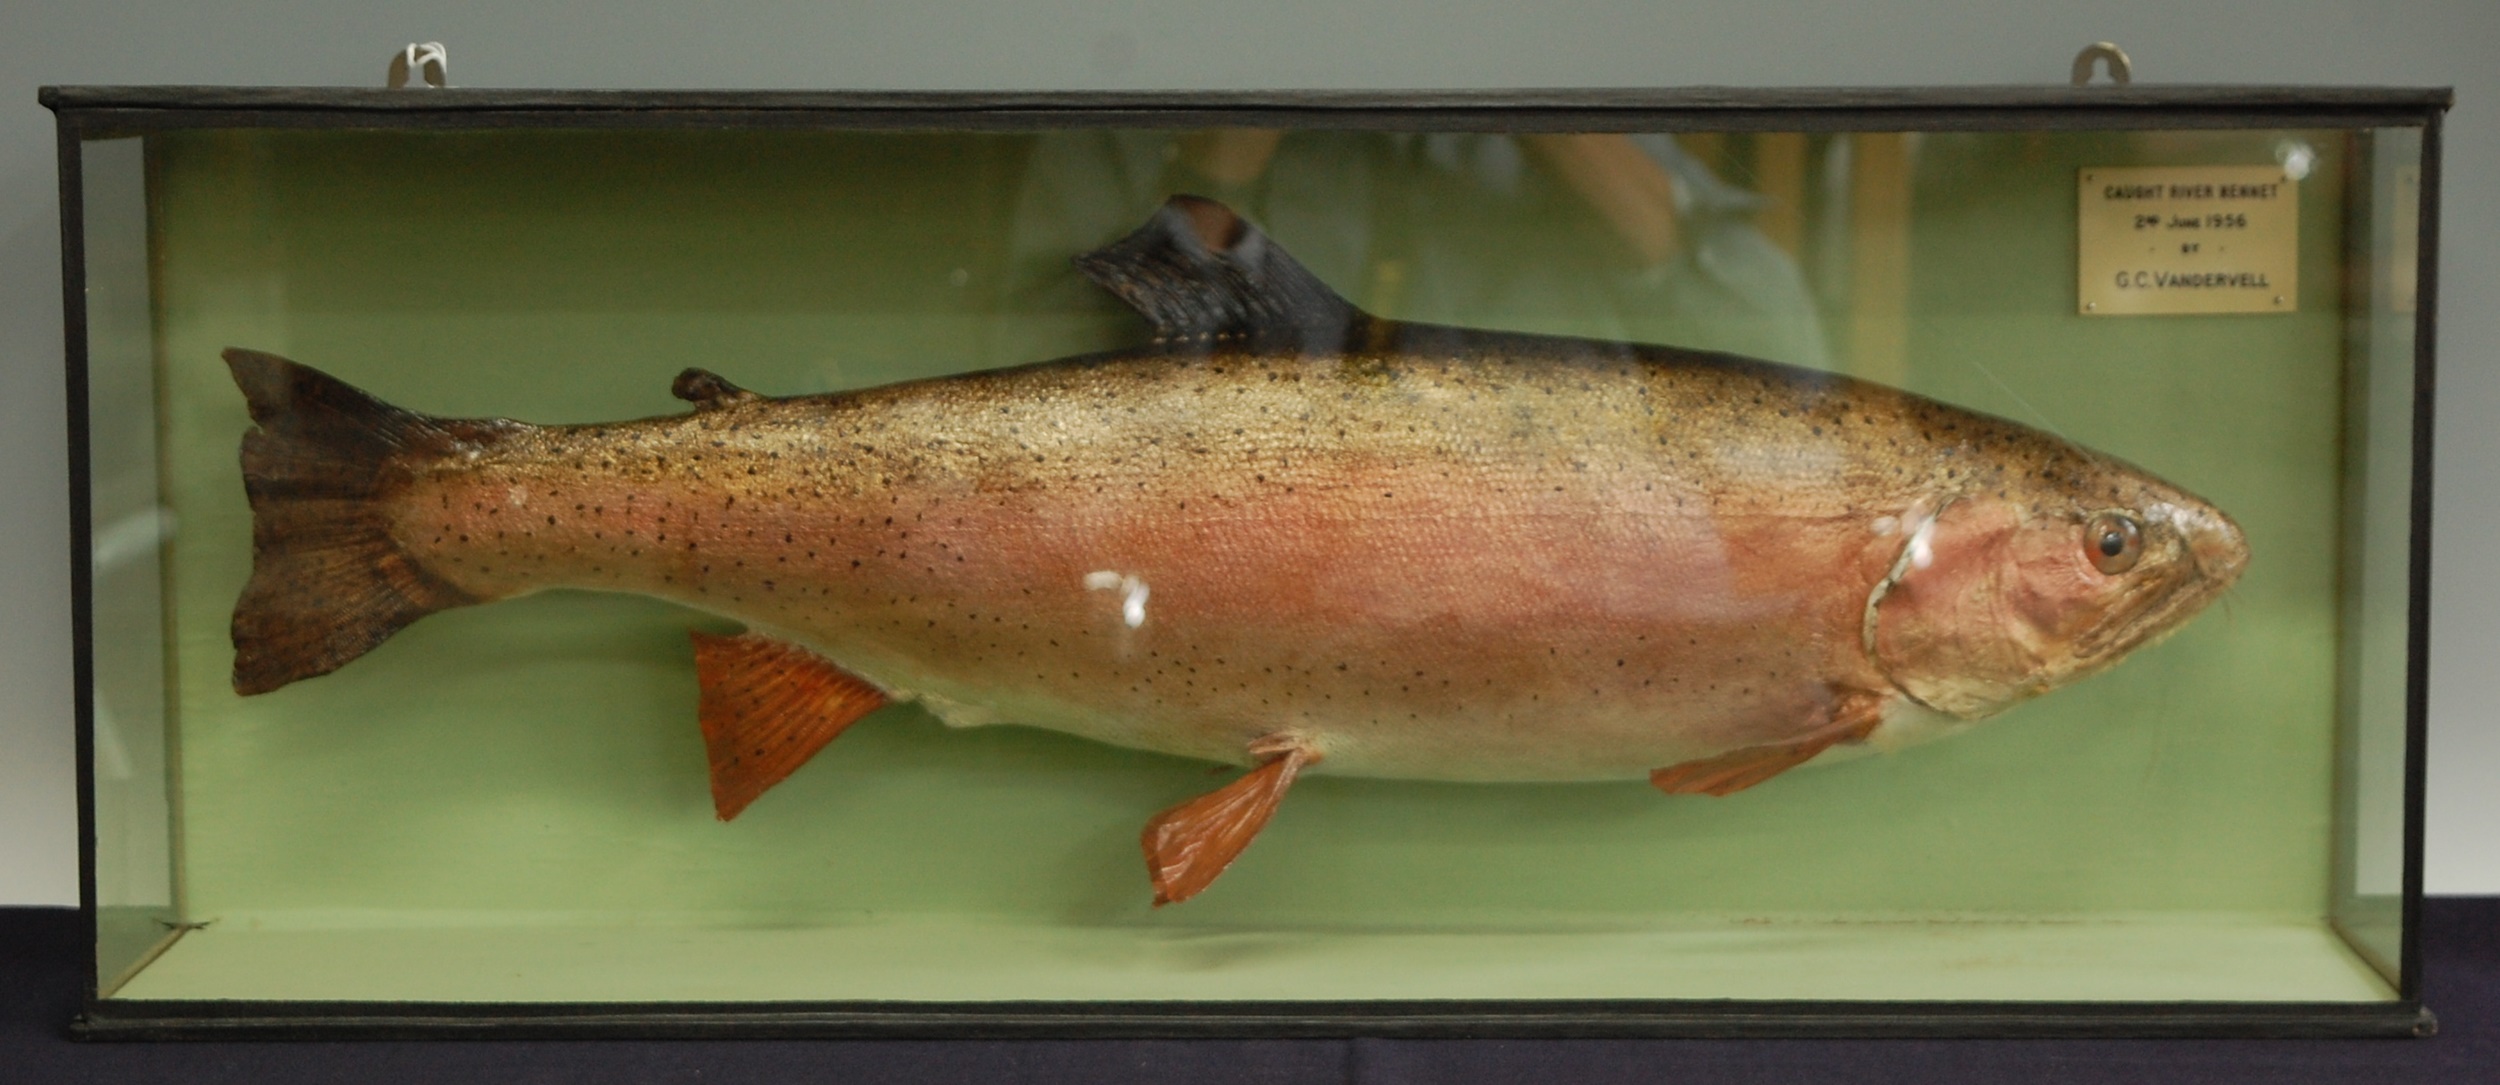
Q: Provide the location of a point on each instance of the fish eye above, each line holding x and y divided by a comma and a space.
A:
2113, 541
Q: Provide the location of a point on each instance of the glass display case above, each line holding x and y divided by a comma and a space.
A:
2148, 369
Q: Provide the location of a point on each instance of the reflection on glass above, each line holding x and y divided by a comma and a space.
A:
1625, 237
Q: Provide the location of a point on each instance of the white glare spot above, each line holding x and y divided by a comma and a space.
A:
1922, 555
2296, 157
517, 495
1132, 594
132, 536
1885, 525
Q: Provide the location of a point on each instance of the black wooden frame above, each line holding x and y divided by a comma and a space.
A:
95, 112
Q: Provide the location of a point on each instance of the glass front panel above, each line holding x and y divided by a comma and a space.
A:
511, 801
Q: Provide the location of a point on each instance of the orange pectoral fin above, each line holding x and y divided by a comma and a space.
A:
767, 706
1855, 716
1735, 770
1188, 845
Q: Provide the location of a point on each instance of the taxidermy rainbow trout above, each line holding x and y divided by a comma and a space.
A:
1283, 534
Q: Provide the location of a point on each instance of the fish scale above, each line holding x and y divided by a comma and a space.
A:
1357, 558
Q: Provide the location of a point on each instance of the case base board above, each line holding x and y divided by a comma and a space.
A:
2144, 960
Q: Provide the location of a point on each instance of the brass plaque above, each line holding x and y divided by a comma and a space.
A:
2187, 239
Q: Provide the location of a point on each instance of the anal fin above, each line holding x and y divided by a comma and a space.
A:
1854, 716
1189, 844
767, 706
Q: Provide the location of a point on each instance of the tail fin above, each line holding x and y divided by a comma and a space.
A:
328, 582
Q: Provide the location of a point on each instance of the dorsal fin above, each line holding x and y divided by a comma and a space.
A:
1197, 271
707, 390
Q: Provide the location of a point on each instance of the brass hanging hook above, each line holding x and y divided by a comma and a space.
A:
427, 61
2121, 70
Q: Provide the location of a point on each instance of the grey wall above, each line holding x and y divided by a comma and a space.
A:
1215, 44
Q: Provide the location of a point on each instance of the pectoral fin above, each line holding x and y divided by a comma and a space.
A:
1854, 716
767, 706
1188, 845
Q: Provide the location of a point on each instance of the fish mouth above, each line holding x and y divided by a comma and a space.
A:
2215, 541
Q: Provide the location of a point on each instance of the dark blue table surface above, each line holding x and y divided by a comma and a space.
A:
40, 958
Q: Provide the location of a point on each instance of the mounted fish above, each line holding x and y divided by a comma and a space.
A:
1283, 534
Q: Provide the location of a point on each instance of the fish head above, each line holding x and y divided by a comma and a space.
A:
2054, 574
